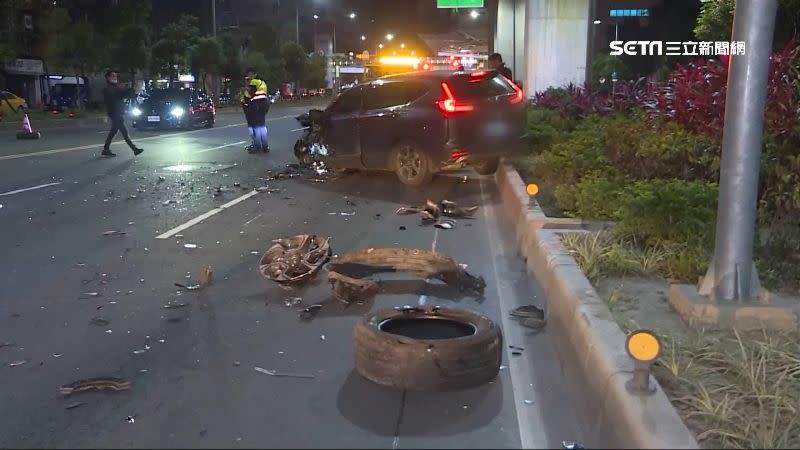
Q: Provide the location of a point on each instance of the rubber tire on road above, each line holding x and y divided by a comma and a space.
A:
426, 170
414, 364
486, 167
209, 123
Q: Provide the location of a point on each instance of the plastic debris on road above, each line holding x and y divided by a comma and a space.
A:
310, 311
95, 384
431, 211
292, 301
274, 373
348, 287
17, 363
206, 276
446, 224
190, 246
530, 316
294, 259
100, 321
174, 305
74, 405
113, 233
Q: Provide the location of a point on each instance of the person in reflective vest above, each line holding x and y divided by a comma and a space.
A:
255, 105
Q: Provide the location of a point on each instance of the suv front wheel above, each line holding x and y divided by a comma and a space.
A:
412, 166
486, 167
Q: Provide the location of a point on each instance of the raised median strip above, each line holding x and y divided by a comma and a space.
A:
589, 342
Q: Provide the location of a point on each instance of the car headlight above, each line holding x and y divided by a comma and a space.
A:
136, 112
177, 111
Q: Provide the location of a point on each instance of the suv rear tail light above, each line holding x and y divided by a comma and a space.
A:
450, 105
518, 94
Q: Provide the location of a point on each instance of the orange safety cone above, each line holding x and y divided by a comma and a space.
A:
27, 132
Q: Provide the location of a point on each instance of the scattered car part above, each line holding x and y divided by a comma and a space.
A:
206, 276
425, 348
445, 224
100, 321
309, 312
174, 305
274, 373
348, 287
17, 363
193, 287
113, 233
96, 384
294, 259
431, 211
74, 405
528, 311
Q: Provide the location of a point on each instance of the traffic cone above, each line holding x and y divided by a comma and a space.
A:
27, 132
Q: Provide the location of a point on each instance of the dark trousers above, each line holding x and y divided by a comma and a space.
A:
118, 124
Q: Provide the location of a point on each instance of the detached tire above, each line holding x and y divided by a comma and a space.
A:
427, 348
412, 166
486, 167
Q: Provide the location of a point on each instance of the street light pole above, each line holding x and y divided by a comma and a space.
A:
732, 276
297, 20
213, 17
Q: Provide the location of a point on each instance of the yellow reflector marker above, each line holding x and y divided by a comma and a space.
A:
643, 346
532, 189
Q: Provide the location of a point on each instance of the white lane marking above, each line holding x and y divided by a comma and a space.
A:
254, 218
221, 146
28, 189
520, 372
94, 146
424, 298
205, 216
299, 129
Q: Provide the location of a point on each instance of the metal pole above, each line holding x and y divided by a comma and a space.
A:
297, 20
732, 274
334, 35
213, 17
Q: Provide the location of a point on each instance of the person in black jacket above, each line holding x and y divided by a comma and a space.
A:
496, 63
113, 96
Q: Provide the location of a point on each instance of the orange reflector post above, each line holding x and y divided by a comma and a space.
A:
643, 346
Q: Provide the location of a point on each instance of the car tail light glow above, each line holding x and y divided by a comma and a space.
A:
455, 154
450, 105
519, 95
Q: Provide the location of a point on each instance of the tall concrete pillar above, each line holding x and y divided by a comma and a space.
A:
556, 33
509, 35
504, 30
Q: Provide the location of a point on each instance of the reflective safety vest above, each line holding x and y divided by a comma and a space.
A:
260, 89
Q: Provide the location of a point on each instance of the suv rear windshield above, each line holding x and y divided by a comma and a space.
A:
465, 87
395, 93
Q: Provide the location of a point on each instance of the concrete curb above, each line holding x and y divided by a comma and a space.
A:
589, 343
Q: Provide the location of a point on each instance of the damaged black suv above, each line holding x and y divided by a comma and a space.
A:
418, 124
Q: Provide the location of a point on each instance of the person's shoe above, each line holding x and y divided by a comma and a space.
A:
108, 153
137, 151
266, 149
250, 149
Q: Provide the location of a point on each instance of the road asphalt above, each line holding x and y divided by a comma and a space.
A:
193, 382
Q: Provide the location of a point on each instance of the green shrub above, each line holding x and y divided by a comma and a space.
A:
595, 196
646, 149
668, 210
578, 153
545, 127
